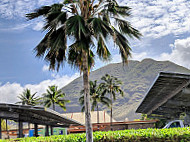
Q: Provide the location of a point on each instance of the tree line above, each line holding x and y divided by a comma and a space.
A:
103, 93
52, 97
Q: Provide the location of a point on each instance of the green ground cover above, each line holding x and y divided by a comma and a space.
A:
141, 135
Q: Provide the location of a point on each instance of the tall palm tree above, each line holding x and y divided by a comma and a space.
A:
89, 24
26, 98
112, 86
53, 97
95, 97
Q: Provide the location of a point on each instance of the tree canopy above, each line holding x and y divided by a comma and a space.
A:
54, 96
26, 98
89, 25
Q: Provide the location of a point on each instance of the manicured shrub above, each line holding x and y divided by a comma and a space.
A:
140, 135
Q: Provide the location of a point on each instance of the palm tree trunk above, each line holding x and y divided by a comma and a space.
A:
88, 124
98, 119
111, 113
7, 129
54, 106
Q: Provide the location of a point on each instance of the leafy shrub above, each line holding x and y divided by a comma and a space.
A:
140, 135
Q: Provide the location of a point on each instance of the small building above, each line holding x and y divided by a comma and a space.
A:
115, 126
104, 122
80, 117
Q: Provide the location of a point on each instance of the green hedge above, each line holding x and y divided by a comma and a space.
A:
141, 135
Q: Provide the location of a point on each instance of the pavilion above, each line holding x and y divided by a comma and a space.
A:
35, 115
168, 97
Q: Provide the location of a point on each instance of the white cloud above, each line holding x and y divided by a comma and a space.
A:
154, 19
139, 56
38, 26
16, 27
45, 2
15, 8
160, 17
9, 92
45, 68
180, 53
11, 9
135, 56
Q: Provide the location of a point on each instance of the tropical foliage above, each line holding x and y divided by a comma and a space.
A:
140, 135
3, 125
111, 86
54, 96
26, 98
96, 98
89, 25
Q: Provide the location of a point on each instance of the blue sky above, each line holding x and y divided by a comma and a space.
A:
164, 24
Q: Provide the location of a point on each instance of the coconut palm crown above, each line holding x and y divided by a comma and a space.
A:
89, 25
111, 86
54, 96
26, 98
96, 98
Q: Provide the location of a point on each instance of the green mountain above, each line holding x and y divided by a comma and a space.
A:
137, 77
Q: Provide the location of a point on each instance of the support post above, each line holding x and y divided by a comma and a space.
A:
20, 129
28, 125
51, 130
47, 131
7, 129
36, 130
187, 118
0, 129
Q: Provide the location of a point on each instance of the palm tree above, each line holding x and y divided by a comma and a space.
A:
89, 24
111, 86
54, 96
95, 97
26, 98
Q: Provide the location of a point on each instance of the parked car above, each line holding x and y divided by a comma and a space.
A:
175, 124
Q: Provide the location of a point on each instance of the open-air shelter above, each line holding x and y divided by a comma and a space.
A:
35, 115
168, 96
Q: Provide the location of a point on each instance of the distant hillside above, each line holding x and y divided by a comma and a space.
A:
136, 77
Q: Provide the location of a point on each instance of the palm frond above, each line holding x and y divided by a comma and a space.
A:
26, 98
123, 45
57, 51
123, 10
75, 56
75, 26
39, 12
55, 96
102, 50
126, 28
99, 27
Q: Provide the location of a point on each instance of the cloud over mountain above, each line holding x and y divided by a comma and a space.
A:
10, 91
180, 53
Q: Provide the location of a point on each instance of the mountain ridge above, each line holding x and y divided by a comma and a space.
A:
137, 77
